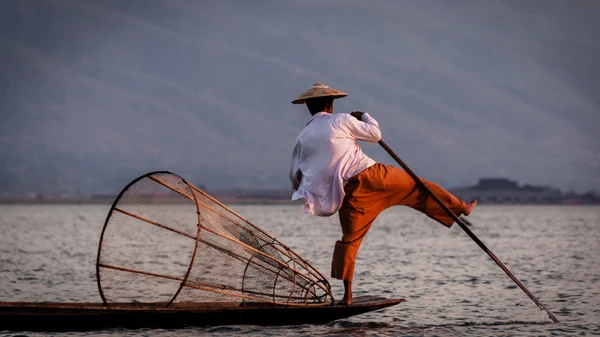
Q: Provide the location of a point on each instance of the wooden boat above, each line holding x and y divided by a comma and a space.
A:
60, 317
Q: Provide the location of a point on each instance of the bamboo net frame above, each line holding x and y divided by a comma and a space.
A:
167, 241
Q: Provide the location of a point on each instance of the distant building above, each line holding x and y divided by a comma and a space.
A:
505, 191
496, 184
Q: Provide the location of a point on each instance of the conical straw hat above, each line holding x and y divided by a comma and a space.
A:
319, 90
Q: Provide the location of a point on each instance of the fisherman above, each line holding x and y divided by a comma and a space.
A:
332, 174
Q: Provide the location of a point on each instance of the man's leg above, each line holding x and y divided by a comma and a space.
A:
357, 214
344, 255
422, 201
403, 190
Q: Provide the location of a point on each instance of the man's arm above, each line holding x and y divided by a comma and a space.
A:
363, 127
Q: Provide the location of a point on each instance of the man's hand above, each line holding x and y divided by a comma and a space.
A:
357, 114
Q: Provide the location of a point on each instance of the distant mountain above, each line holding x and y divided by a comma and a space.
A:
95, 93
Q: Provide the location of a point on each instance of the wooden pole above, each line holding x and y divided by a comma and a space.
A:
463, 224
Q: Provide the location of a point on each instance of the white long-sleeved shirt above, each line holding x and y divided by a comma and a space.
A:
327, 154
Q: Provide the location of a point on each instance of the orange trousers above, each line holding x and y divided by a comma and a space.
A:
371, 192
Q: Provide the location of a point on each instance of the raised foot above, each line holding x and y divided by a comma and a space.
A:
470, 207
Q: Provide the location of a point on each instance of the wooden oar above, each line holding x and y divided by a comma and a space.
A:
463, 224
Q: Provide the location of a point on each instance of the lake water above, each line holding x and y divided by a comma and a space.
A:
48, 253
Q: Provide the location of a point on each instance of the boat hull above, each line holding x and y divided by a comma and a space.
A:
51, 317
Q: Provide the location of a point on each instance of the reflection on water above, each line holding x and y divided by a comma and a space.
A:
48, 253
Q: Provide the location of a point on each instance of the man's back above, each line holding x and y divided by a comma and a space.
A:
327, 154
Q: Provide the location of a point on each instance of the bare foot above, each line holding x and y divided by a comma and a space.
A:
470, 207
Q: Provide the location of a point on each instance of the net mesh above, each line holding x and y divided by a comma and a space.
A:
166, 241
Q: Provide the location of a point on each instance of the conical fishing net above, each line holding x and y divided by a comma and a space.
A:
166, 241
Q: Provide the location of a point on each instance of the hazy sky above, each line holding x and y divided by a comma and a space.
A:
95, 93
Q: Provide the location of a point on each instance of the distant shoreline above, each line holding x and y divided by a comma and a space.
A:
487, 191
